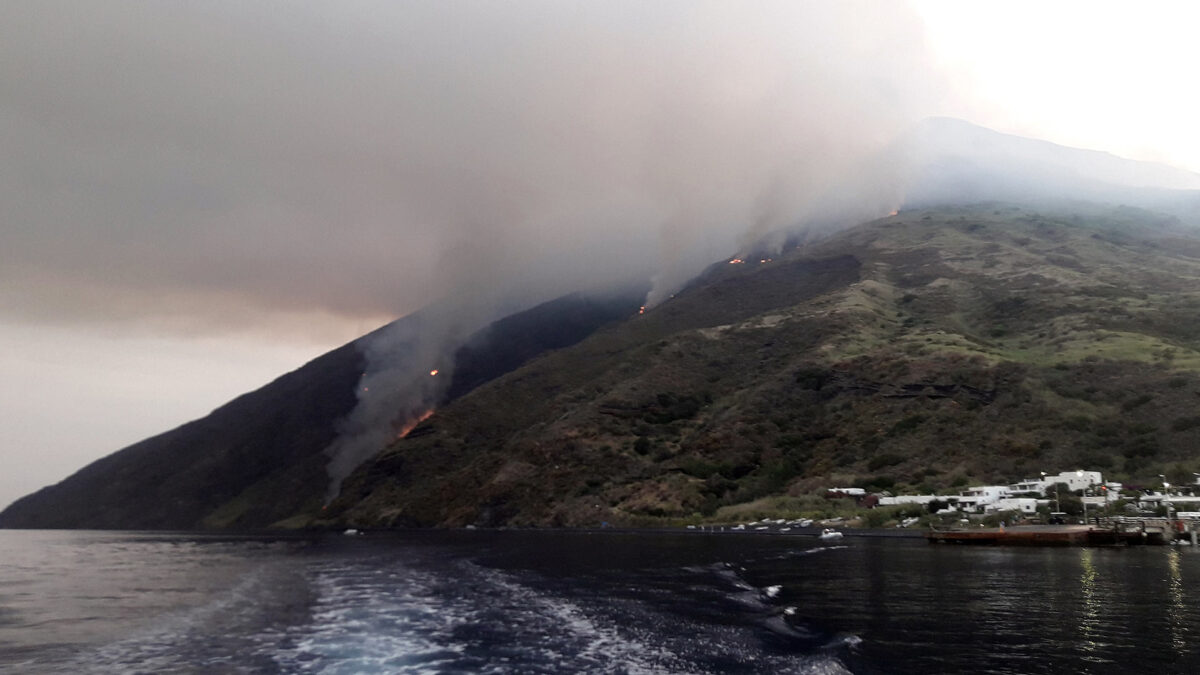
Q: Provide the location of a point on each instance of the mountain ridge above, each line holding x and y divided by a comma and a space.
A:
986, 306
960, 345
261, 458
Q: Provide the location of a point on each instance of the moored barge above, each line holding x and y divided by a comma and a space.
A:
1106, 533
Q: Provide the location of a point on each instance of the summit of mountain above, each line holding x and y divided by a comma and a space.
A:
951, 161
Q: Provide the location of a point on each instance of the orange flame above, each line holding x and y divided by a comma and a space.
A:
736, 261
412, 424
642, 309
894, 212
433, 372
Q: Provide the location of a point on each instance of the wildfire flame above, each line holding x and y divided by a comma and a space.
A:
894, 212
642, 309
433, 372
412, 424
736, 261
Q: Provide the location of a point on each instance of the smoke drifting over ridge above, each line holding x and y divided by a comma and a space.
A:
613, 143
184, 164
398, 388
364, 159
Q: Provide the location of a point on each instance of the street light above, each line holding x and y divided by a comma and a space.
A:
1166, 494
1079, 474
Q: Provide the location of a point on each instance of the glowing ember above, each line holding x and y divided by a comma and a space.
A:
736, 261
433, 372
412, 424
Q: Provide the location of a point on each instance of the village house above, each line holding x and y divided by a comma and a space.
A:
993, 498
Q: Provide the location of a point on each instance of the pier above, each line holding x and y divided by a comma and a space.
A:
1104, 532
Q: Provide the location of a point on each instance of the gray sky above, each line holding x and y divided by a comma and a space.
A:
197, 197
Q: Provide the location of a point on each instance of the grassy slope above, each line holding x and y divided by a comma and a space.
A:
922, 351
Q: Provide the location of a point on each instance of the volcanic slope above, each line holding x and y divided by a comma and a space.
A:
924, 351
260, 459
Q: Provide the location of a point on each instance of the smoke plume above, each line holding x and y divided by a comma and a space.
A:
223, 162
549, 148
203, 164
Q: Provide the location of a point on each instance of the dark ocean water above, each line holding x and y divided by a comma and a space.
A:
602, 602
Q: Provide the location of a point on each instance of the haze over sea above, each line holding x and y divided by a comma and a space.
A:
597, 602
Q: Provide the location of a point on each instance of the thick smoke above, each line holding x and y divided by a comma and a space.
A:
203, 164
367, 159
406, 371
564, 147
561, 146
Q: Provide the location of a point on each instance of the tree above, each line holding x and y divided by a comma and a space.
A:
1064, 500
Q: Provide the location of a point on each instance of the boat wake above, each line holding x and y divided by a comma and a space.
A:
381, 610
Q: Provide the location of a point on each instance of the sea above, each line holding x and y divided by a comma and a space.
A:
515, 601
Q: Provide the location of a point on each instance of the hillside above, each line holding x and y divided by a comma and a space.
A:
267, 442
924, 351
260, 458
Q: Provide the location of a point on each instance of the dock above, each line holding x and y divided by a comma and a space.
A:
1112, 532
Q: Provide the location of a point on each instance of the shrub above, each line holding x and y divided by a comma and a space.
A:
878, 517
880, 461
1185, 423
812, 378
906, 425
670, 407
1136, 402
875, 483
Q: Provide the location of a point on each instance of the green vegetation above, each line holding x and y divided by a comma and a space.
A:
923, 352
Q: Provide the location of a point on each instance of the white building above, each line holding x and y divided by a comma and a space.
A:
1176, 502
985, 498
1076, 480
849, 492
1026, 505
977, 497
1029, 485
923, 500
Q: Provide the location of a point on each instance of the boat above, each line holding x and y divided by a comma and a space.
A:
1110, 532
829, 534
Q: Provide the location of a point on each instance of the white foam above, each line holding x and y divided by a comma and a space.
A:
370, 619
374, 614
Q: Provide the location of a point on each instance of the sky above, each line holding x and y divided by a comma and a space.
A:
198, 197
